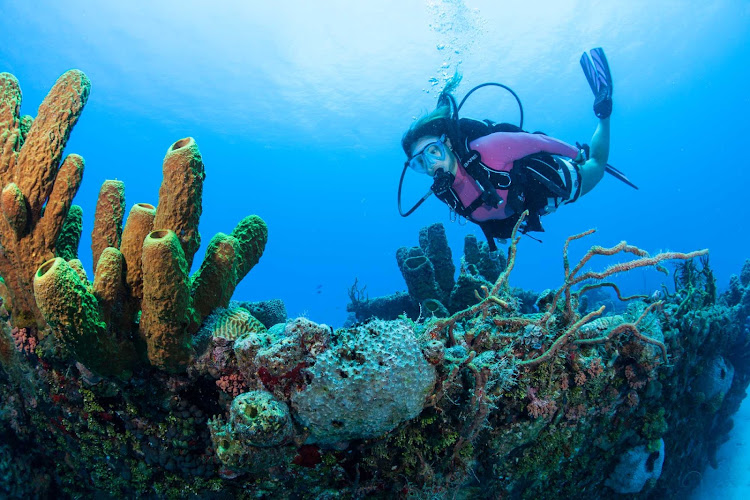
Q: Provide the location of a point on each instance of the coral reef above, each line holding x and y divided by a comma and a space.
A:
428, 271
361, 307
150, 383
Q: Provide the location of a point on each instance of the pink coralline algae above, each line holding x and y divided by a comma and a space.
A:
233, 384
25, 340
595, 368
576, 412
540, 407
634, 380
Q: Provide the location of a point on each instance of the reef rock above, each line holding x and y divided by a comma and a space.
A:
370, 380
636, 466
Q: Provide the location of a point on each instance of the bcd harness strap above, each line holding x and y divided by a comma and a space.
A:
532, 181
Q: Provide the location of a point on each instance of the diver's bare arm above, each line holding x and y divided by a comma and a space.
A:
593, 170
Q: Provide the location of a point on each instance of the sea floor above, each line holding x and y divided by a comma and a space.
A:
731, 481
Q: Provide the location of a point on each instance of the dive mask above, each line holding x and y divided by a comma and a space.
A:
428, 156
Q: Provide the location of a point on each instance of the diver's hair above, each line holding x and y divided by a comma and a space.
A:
438, 122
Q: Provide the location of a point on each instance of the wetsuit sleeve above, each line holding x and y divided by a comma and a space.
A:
506, 147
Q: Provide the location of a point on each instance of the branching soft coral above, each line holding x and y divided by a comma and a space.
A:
498, 298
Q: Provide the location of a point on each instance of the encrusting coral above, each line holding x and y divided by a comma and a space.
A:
153, 384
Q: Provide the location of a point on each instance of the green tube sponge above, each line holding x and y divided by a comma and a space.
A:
251, 234
214, 283
74, 316
166, 300
70, 234
108, 283
25, 125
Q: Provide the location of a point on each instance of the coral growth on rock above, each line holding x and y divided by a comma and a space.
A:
149, 382
428, 271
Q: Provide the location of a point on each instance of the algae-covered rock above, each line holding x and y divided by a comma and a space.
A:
250, 440
745, 274
260, 419
277, 360
715, 379
269, 312
636, 466
370, 380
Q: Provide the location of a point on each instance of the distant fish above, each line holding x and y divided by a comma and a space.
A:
319, 289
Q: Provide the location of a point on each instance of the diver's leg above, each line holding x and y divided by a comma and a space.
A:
593, 170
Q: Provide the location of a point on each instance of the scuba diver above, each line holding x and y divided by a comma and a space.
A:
490, 173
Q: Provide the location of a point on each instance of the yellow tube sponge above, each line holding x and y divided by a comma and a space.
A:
108, 284
166, 301
60, 201
251, 234
40, 156
214, 283
39, 189
140, 222
14, 209
73, 314
180, 194
110, 209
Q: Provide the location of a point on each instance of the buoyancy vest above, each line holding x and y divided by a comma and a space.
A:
526, 170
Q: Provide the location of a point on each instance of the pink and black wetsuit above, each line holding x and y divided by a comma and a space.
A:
528, 171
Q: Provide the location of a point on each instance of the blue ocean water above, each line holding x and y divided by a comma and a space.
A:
298, 108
